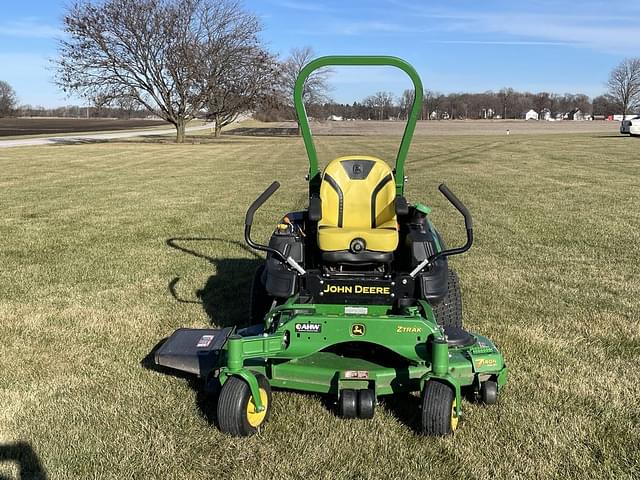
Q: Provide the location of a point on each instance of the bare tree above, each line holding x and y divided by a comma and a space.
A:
316, 88
624, 85
604, 105
151, 50
431, 102
506, 100
406, 101
380, 102
127, 104
248, 79
8, 99
541, 101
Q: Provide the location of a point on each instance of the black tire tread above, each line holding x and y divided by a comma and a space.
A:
366, 403
261, 301
489, 392
448, 312
436, 408
232, 405
348, 403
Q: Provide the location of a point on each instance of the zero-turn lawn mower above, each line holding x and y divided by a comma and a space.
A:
356, 299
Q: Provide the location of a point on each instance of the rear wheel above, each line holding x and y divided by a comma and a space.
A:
237, 413
448, 312
261, 301
438, 409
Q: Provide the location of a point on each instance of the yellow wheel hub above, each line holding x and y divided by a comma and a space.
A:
454, 417
256, 418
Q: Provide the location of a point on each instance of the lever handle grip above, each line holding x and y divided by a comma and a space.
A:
455, 201
257, 203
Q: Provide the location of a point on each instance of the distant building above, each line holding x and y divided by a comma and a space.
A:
575, 114
334, 118
531, 115
487, 113
628, 116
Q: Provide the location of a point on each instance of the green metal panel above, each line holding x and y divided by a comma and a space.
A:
356, 60
298, 360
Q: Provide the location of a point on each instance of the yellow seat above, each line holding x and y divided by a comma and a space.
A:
358, 201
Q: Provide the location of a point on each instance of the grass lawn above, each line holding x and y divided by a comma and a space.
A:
108, 247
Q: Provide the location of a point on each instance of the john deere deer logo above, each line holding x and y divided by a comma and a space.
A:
357, 329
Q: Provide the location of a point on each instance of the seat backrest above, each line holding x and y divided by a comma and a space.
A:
358, 192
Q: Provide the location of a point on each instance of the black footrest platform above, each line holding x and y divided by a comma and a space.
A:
192, 350
458, 337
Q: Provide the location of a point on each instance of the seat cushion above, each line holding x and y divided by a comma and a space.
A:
358, 196
384, 239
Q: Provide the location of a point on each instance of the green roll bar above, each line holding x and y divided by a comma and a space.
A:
356, 60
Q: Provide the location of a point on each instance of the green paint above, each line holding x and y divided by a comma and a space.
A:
421, 207
299, 361
356, 60
440, 357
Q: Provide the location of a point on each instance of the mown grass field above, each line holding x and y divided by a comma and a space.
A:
107, 248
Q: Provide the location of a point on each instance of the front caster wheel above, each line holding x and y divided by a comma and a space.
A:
366, 403
348, 403
438, 409
489, 392
237, 413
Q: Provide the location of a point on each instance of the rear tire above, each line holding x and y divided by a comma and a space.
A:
261, 301
438, 409
448, 312
236, 411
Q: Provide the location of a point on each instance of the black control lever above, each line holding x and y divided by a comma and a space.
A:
248, 221
468, 223
258, 202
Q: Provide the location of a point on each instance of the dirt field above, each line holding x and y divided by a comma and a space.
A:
38, 126
444, 127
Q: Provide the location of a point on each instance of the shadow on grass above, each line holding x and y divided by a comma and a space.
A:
206, 390
405, 407
25, 457
224, 298
225, 295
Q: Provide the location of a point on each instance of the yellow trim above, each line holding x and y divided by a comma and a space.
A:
378, 240
454, 417
356, 208
254, 418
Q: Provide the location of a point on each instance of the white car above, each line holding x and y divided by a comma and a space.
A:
634, 127
626, 126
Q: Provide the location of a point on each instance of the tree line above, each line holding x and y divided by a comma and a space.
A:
506, 103
182, 59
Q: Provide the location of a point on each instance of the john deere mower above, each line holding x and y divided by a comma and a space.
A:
355, 299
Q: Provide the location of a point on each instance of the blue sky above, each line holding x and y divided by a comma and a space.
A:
558, 46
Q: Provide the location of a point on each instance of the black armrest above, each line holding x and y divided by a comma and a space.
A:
402, 207
315, 209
